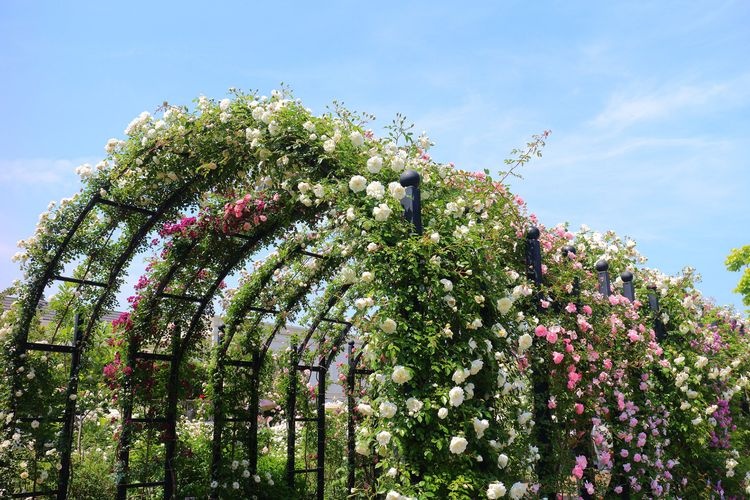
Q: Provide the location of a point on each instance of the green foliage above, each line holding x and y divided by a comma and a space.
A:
739, 260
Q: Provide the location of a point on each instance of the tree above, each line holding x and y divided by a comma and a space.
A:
739, 260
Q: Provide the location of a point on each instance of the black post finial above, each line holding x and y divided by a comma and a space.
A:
412, 202
602, 267
653, 303
568, 249
533, 255
628, 289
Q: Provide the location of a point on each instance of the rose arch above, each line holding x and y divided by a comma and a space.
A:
496, 358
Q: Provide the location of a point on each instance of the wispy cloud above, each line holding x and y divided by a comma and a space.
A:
27, 171
626, 108
623, 111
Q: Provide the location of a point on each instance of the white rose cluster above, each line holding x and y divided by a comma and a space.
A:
381, 212
496, 490
401, 375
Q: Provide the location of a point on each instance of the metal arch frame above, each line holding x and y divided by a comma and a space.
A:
178, 345
110, 287
351, 378
259, 357
178, 350
292, 251
322, 370
142, 228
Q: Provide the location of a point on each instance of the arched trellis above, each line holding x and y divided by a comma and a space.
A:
252, 148
136, 222
139, 224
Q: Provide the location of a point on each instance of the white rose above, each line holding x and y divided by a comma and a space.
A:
329, 146
392, 472
469, 389
435, 237
357, 139
374, 164
383, 438
504, 305
397, 190
480, 426
319, 190
85, 171
381, 212
460, 375
524, 417
375, 190
442, 413
400, 375
362, 448
394, 495
458, 445
364, 409
388, 326
476, 365
387, 409
367, 277
397, 164
348, 275
357, 183
414, 405
502, 460
447, 284
701, 362
518, 490
496, 490
456, 396
524, 342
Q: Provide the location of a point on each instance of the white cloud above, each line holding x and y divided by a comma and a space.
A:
623, 111
41, 170
626, 108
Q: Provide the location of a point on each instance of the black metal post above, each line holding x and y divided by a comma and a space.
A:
533, 255
350, 455
653, 303
628, 289
254, 403
542, 414
291, 403
170, 431
123, 456
412, 202
321, 431
603, 277
66, 437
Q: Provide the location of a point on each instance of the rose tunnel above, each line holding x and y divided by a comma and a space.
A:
489, 352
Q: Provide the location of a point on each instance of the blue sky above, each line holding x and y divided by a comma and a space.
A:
648, 102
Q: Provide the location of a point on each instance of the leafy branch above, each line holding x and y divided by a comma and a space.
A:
522, 156
398, 129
